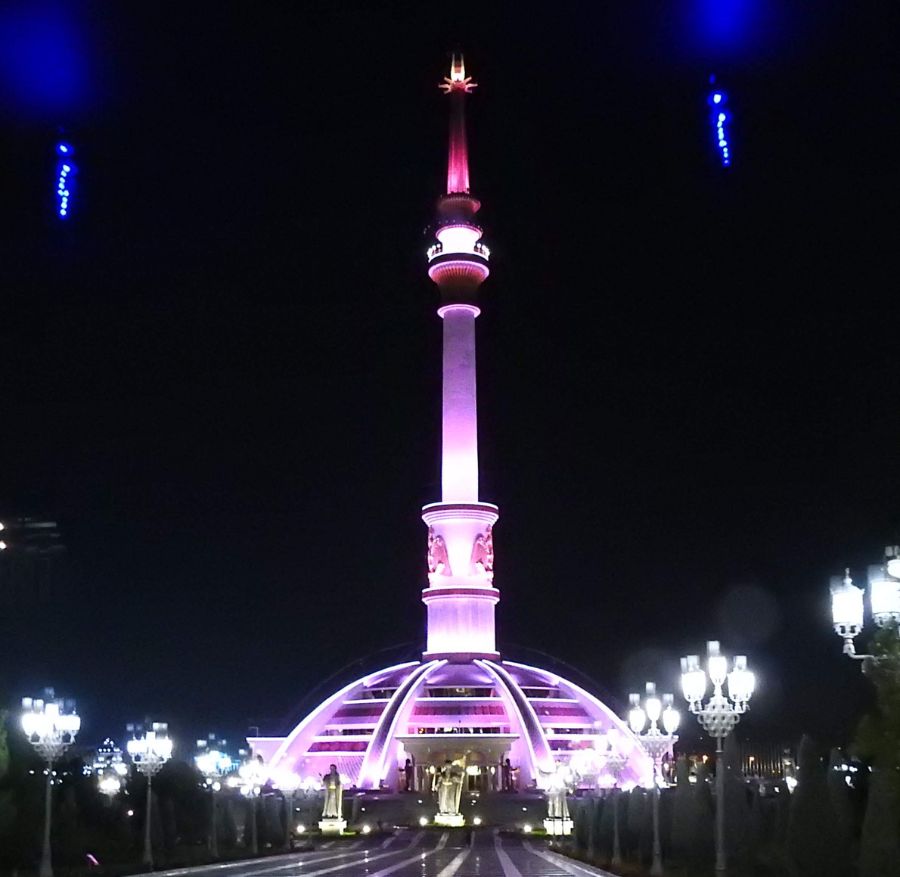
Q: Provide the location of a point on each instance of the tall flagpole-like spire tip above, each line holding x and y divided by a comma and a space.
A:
457, 80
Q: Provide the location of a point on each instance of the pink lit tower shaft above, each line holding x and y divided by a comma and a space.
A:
461, 596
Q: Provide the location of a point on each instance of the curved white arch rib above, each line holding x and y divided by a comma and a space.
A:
372, 771
541, 755
338, 696
635, 753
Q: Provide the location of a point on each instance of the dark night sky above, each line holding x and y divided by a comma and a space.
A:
222, 376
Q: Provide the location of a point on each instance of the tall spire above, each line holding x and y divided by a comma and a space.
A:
457, 85
461, 596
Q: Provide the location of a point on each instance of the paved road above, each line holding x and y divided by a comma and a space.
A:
409, 854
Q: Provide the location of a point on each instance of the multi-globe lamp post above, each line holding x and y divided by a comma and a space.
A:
848, 602
149, 752
718, 715
51, 726
614, 763
110, 769
251, 776
657, 743
213, 764
287, 783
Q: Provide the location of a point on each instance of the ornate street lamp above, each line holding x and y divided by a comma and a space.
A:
615, 763
657, 743
847, 601
719, 715
110, 769
149, 753
213, 764
252, 775
287, 783
51, 726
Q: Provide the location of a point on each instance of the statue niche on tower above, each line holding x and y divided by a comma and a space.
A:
483, 553
332, 821
438, 561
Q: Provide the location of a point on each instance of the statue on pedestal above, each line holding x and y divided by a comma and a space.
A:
449, 789
557, 789
558, 821
333, 794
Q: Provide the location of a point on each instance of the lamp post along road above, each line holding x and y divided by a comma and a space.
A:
213, 764
288, 783
718, 715
615, 764
149, 753
657, 743
848, 603
51, 726
252, 775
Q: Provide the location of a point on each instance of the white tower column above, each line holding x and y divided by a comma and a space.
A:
459, 463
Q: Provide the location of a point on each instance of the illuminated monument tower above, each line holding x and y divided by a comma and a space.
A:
461, 701
461, 595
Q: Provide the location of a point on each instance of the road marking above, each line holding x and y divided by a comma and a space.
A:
568, 865
257, 867
369, 859
419, 857
454, 866
506, 863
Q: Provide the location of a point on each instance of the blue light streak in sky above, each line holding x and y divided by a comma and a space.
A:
65, 170
720, 119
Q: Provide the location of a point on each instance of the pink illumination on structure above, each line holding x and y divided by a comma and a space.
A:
457, 85
460, 701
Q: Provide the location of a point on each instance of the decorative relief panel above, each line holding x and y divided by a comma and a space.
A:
483, 552
438, 562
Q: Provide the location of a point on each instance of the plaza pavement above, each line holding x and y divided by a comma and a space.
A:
410, 853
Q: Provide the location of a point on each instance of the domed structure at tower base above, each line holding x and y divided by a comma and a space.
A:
478, 712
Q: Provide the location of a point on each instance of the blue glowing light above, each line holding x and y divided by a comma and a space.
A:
44, 56
65, 170
720, 119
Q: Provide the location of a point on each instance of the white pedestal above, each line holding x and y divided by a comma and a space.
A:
332, 825
450, 820
558, 827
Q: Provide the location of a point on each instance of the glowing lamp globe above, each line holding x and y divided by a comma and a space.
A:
637, 718
740, 681
31, 722
716, 663
893, 567
671, 719
653, 705
846, 606
884, 593
287, 781
693, 679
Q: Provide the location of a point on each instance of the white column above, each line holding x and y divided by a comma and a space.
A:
459, 467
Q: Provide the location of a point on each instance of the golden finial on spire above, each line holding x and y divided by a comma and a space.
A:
457, 80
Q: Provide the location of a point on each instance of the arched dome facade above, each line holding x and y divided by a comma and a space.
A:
477, 712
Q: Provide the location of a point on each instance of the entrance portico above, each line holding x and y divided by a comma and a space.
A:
480, 755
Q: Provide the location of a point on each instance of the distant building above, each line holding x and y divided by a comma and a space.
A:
33, 563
